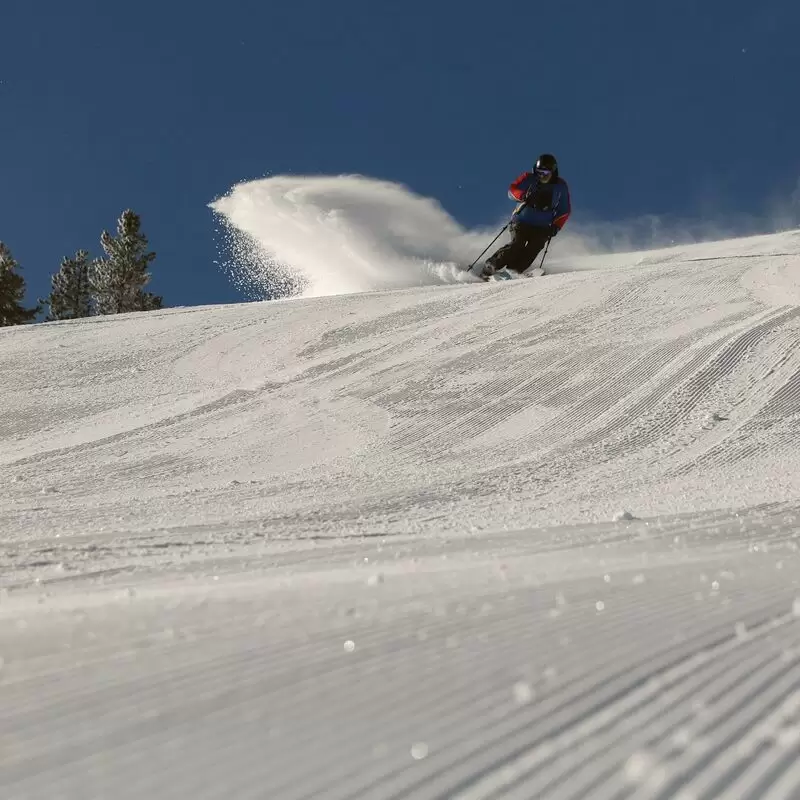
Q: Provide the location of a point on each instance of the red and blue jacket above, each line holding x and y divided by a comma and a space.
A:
541, 204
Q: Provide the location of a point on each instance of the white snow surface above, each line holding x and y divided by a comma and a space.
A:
533, 539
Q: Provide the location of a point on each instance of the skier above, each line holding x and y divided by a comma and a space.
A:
543, 211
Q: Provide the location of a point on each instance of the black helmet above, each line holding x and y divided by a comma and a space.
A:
547, 161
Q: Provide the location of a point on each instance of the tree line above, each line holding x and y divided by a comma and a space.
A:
85, 287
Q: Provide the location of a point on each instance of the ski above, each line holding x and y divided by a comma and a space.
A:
507, 275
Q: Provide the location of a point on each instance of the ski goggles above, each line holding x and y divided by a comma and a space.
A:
543, 174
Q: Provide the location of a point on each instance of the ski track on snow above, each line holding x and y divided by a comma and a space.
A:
364, 546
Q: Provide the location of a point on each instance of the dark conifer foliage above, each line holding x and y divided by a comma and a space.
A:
12, 292
70, 297
118, 279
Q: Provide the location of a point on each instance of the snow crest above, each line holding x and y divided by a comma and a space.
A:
329, 235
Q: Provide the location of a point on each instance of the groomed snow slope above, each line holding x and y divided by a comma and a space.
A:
365, 546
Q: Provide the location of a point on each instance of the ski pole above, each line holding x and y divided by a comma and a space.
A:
549, 239
467, 269
546, 248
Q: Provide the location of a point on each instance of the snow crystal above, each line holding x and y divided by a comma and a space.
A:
643, 768
349, 646
682, 738
600, 605
638, 766
419, 750
523, 693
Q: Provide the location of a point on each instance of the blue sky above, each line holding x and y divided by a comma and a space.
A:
681, 108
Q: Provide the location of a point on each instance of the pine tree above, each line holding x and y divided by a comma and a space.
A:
149, 302
12, 292
118, 279
71, 297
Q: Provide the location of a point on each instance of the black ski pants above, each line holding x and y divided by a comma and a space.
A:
526, 243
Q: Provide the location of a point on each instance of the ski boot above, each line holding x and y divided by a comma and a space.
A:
487, 271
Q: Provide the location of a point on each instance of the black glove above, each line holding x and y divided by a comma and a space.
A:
554, 229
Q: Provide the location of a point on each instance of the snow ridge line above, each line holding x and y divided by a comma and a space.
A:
642, 695
232, 398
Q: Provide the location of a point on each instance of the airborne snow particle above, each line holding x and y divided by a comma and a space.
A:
349, 646
741, 631
682, 738
796, 607
419, 751
638, 766
600, 605
523, 693
643, 768
374, 580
